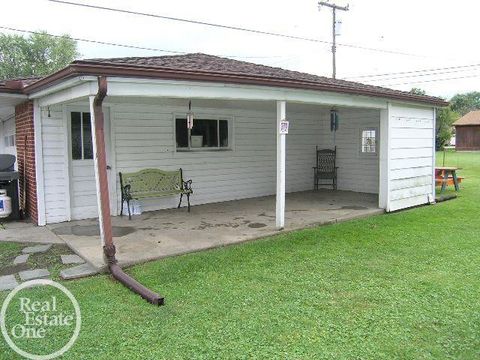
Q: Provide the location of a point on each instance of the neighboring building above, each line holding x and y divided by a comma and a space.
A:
234, 151
467, 131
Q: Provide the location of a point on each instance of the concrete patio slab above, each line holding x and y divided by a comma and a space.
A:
37, 249
34, 274
163, 233
23, 232
8, 282
79, 271
21, 259
71, 259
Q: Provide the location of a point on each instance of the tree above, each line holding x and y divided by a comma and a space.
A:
417, 91
36, 55
464, 103
445, 118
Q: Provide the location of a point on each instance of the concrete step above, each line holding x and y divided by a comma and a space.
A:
71, 259
77, 272
8, 282
37, 249
34, 274
21, 259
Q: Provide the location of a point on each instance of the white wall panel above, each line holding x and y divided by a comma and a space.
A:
412, 156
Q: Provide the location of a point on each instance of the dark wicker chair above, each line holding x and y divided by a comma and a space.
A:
325, 173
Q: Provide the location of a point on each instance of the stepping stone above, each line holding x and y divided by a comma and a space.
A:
8, 282
34, 274
78, 272
21, 259
36, 249
71, 259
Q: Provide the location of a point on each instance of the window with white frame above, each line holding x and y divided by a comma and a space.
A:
205, 134
368, 141
9, 141
81, 136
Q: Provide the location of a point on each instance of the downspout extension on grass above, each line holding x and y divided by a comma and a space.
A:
105, 220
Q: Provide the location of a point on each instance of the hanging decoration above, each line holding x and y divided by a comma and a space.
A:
190, 116
334, 120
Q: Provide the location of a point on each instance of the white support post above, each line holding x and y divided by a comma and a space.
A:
281, 154
37, 128
384, 162
95, 162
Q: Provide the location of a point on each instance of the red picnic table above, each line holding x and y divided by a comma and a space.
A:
447, 175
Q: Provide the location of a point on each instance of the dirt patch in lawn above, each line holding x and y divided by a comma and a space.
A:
13, 269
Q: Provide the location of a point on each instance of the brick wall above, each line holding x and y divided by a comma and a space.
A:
25, 140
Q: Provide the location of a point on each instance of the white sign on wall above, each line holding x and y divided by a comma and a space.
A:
284, 124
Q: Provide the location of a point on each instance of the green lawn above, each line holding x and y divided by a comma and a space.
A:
403, 285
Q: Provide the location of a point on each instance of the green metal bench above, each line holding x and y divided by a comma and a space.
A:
153, 183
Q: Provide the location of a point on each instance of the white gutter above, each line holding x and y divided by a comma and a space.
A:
61, 86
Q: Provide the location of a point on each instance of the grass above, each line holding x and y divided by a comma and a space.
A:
50, 259
403, 285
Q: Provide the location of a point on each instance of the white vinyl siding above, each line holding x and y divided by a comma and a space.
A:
411, 156
356, 171
55, 162
144, 137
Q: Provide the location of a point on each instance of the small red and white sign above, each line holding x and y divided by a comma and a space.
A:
283, 129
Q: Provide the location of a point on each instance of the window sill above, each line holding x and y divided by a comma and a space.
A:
368, 155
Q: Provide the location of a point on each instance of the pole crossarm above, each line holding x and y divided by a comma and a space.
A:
333, 6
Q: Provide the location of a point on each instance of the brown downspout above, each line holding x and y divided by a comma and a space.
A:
104, 215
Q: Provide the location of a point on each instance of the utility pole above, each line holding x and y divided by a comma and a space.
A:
334, 8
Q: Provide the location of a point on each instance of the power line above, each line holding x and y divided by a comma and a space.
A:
420, 75
410, 72
434, 80
94, 41
181, 52
99, 42
236, 28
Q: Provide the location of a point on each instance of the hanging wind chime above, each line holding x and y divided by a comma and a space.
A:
190, 116
334, 122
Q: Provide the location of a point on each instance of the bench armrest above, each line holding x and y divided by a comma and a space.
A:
126, 190
187, 185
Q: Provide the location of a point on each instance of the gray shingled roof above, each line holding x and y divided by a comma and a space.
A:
219, 65
203, 67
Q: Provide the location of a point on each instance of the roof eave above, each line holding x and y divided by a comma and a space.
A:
92, 68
